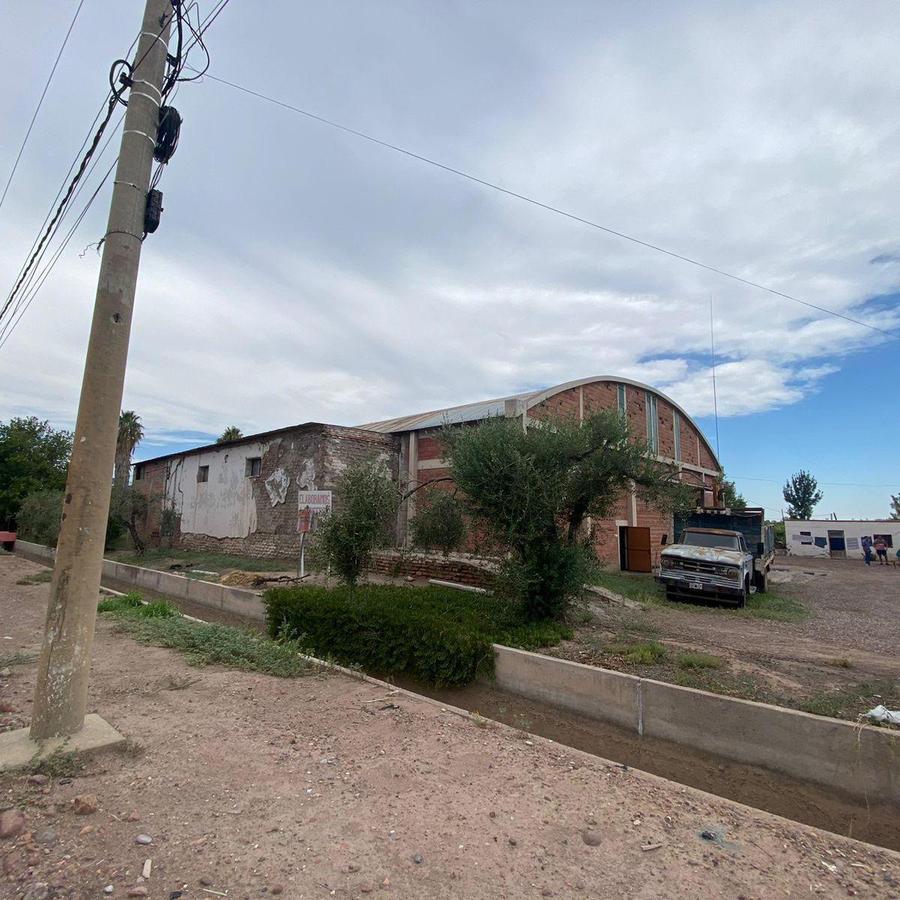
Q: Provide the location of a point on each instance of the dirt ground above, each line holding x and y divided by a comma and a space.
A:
326, 786
851, 637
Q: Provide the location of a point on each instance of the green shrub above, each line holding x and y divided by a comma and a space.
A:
362, 521
439, 524
40, 516
437, 636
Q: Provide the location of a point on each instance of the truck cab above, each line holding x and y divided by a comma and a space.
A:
711, 563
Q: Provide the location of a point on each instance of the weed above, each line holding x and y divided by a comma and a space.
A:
133, 605
841, 663
643, 653
42, 577
178, 682
132, 748
697, 660
214, 562
773, 607
19, 658
850, 702
58, 764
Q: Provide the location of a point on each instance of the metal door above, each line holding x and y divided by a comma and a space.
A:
637, 549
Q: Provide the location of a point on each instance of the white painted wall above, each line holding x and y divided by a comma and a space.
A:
223, 506
799, 544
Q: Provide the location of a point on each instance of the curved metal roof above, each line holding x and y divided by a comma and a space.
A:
483, 409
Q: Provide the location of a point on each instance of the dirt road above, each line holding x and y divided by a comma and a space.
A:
325, 786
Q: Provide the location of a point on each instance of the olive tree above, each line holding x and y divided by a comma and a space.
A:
533, 490
439, 524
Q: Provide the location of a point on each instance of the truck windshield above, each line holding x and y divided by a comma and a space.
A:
703, 539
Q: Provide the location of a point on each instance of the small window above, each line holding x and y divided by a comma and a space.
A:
253, 466
138, 472
806, 537
623, 400
202, 474
887, 538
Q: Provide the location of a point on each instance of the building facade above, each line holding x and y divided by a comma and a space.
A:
242, 496
839, 539
631, 537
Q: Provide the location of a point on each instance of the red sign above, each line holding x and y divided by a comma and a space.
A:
304, 521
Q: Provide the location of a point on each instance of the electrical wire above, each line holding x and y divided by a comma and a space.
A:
40, 103
545, 206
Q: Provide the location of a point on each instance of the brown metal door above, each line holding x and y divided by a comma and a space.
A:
638, 543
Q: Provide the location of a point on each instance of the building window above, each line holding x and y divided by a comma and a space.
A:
253, 466
202, 474
138, 472
623, 400
806, 537
887, 538
652, 423
676, 425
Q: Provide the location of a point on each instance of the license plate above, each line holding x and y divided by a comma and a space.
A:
695, 585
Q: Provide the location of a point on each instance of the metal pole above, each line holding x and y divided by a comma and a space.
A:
60, 697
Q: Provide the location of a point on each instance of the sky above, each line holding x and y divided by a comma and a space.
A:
303, 274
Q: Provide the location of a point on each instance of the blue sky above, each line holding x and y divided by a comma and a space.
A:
300, 274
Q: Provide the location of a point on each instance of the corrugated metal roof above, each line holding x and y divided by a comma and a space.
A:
468, 412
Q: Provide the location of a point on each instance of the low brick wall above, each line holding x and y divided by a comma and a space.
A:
471, 572
257, 545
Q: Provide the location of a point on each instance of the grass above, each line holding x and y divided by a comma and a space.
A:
19, 658
696, 660
213, 562
640, 653
42, 577
644, 589
59, 764
850, 702
161, 625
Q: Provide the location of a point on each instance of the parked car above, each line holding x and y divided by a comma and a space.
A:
726, 563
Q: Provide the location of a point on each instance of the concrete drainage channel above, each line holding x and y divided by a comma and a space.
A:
831, 774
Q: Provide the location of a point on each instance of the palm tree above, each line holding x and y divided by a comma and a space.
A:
231, 433
130, 433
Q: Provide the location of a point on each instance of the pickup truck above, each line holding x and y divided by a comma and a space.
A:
722, 554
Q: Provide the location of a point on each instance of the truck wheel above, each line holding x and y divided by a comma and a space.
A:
670, 594
762, 582
744, 594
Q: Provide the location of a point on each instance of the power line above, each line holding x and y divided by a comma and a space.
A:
40, 102
540, 204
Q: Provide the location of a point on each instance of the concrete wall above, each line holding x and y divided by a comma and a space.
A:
801, 535
221, 598
859, 760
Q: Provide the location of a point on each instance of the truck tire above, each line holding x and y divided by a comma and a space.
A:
745, 593
762, 581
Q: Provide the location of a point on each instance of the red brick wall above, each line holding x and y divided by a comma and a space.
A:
429, 447
426, 565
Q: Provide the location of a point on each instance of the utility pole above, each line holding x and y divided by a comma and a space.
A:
60, 697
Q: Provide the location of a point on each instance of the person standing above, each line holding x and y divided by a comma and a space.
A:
881, 550
867, 549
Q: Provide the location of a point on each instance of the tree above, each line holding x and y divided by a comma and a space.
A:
131, 431
779, 530
895, 506
363, 519
40, 516
533, 490
231, 433
439, 524
126, 505
801, 494
730, 496
33, 457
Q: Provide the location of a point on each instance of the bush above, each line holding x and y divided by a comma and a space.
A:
40, 517
368, 503
437, 636
440, 524
133, 605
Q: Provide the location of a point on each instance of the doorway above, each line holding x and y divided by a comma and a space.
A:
837, 544
634, 549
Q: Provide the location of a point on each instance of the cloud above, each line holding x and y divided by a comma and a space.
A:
300, 274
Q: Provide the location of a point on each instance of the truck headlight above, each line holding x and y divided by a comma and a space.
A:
666, 563
729, 572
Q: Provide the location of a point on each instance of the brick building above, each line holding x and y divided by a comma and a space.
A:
630, 539
242, 496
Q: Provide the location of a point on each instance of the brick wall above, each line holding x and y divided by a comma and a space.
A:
476, 573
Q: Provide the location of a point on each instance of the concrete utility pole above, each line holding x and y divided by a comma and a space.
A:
60, 698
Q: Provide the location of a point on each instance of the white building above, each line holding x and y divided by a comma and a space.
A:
839, 539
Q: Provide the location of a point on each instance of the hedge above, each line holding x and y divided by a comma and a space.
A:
438, 636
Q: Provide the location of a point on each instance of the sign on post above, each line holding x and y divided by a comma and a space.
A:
310, 504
